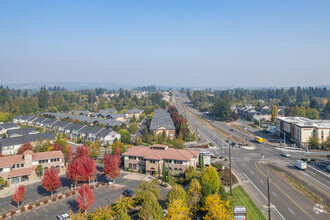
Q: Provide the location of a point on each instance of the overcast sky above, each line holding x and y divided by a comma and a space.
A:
205, 43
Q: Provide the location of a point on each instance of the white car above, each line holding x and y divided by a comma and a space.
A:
286, 155
63, 216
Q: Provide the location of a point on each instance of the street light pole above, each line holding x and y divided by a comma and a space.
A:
269, 216
230, 193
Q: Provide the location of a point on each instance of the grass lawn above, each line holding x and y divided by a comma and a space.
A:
240, 198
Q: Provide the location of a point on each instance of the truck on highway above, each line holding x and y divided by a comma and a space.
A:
259, 139
301, 164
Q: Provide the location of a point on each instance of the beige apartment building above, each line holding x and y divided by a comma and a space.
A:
151, 159
299, 130
21, 168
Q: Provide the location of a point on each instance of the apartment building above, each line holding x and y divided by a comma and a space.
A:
151, 159
162, 122
299, 129
21, 168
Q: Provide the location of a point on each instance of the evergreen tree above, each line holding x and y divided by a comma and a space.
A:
43, 98
274, 113
151, 210
201, 161
164, 171
169, 176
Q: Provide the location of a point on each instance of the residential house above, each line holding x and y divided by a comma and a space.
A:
21, 168
21, 132
151, 159
162, 122
134, 112
4, 127
89, 133
73, 130
48, 124
10, 146
107, 136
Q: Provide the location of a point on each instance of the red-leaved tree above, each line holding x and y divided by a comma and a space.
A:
85, 198
76, 171
51, 181
82, 151
111, 166
57, 146
90, 168
69, 154
24, 147
19, 194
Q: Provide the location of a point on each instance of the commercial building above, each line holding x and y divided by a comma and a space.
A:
162, 122
151, 159
299, 129
21, 168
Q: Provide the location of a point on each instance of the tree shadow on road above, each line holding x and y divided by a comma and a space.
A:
73, 205
42, 191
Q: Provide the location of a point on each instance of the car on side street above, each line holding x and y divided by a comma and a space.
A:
286, 155
127, 193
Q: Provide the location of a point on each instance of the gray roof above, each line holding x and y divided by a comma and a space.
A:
25, 138
39, 120
22, 131
61, 124
75, 127
50, 121
162, 118
90, 130
8, 125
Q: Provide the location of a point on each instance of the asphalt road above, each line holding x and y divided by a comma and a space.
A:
247, 164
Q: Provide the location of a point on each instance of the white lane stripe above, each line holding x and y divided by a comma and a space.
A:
274, 194
291, 211
263, 195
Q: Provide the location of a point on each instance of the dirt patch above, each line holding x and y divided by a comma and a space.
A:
303, 186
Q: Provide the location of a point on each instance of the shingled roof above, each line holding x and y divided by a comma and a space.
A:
161, 118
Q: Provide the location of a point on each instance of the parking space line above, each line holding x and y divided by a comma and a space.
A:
62, 204
35, 212
44, 208
53, 205
25, 215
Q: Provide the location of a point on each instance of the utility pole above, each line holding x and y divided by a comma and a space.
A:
196, 133
269, 217
307, 151
230, 193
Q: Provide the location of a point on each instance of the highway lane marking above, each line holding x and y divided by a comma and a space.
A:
274, 194
291, 211
255, 163
319, 171
311, 182
263, 195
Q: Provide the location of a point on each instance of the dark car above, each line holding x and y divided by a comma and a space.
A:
128, 193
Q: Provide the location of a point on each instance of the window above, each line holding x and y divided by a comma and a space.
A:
130, 166
22, 164
1, 169
152, 161
178, 162
168, 161
134, 166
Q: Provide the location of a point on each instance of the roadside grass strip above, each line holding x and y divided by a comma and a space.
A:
240, 198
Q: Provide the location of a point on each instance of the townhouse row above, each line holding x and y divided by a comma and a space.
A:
88, 133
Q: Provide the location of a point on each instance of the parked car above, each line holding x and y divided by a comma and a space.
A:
63, 216
286, 155
128, 193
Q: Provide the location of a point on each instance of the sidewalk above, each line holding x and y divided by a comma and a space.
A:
10, 190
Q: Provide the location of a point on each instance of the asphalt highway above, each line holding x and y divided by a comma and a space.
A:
249, 166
